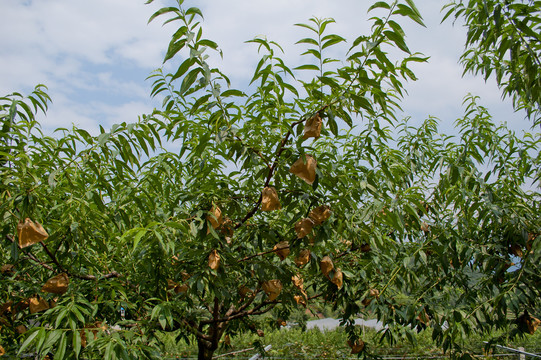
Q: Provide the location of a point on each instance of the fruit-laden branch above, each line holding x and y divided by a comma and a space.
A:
279, 151
53, 258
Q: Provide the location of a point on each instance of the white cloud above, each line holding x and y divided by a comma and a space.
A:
94, 55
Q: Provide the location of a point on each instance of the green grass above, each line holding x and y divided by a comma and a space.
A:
295, 343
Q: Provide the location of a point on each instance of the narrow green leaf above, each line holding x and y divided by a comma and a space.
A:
332, 123
307, 67
186, 64
137, 237
29, 340
211, 44
189, 80
308, 41
379, 5
194, 11
330, 40
397, 39
61, 348
162, 11
174, 48
233, 92
307, 27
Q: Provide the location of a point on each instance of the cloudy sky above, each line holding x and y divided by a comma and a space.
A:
94, 55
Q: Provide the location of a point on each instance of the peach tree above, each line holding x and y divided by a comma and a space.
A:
225, 204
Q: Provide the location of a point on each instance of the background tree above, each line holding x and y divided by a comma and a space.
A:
504, 40
227, 204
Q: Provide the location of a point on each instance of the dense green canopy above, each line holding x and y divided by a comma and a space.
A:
226, 204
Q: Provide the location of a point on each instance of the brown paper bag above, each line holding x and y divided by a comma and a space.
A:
338, 278
272, 288
356, 346
214, 260
282, 249
38, 304
270, 200
181, 288
215, 217
312, 128
300, 300
320, 214
30, 233
326, 265
303, 258
306, 171
303, 227
57, 284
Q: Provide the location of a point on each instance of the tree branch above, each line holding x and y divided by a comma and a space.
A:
236, 315
257, 152
279, 151
53, 258
199, 334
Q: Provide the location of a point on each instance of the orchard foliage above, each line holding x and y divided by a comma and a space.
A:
504, 41
158, 225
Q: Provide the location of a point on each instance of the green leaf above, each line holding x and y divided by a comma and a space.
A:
233, 92
61, 315
409, 12
52, 338
330, 40
211, 44
332, 123
308, 41
189, 80
137, 238
379, 5
30, 338
61, 348
162, 11
103, 138
307, 67
397, 39
109, 351
194, 11
307, 27
186, 64
174, 48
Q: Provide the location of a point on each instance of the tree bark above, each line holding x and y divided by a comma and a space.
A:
205, 350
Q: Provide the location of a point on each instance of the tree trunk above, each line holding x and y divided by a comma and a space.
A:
205, 350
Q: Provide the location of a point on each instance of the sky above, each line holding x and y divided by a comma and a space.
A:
94, 55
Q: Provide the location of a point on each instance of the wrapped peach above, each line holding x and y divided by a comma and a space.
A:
215, 217
30, 233
303, 227
312, 128
282, 249
214, 260
269, 199
38, 304
303, 258
356, 346
320, 214
305, 169
272, 288
338, 278
326, 265
57, 284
